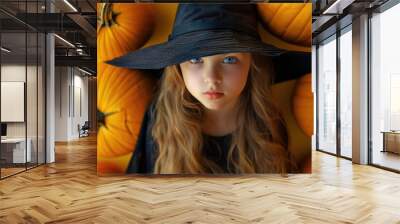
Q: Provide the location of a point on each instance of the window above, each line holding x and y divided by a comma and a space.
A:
326, 60
346, 93
385, 88
22, 77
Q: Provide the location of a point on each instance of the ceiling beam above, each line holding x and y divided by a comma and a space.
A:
83, 23
84, 61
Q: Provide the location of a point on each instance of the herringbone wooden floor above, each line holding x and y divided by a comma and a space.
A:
69, 191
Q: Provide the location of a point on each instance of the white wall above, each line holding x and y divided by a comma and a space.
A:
13, 73
61, 103
33, 126
71, 102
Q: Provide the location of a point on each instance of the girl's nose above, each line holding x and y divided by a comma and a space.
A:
213, 81
212, 76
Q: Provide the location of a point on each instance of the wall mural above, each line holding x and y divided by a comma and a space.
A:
187, 90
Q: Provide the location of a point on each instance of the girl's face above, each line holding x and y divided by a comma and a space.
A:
217, 81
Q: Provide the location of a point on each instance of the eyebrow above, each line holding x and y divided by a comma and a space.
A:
228, 54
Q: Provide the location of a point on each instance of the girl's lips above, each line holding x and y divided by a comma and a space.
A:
213, 95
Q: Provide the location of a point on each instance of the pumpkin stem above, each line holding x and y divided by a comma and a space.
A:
107, 16
101, 117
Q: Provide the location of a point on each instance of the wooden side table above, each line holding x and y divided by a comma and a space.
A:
391, 141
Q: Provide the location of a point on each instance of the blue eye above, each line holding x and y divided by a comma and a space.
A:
196, 60
230, 60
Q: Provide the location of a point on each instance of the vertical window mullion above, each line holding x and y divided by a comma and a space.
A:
338, 73
317, 98
26, 86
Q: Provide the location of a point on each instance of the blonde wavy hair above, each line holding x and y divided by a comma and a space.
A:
259, 145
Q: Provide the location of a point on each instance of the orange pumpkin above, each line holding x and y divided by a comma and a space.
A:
289, 21
122, 28
113, 165
123, 97
303, 104
306, 166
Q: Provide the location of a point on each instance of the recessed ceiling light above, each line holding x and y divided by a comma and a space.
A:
70, 5
84, 71
337, 7
5, 49
64, 40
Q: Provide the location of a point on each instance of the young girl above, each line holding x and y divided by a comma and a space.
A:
213, 112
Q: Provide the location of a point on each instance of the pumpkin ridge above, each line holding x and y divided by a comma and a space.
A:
118, 139
302, 37
120, 76
104, 76
134, 124
106, 88
105, 54
127, 35
100, 43
124, 40
288, 33
108, 148
135, 95
273, 8
126, 124
134, 82
103, 89
100, 92
111, 47
121, 141
104, 145
116, 76
131, 93
100, 141
273, 20
114, 88
133, 127
303, 25
275, 14
107, 95
117, 46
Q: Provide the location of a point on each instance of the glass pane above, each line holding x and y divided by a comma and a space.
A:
31, 97
345, 94
385, 86
41, 98
13, 87
22, 79
327, 97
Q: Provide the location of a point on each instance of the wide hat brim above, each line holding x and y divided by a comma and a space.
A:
193, 45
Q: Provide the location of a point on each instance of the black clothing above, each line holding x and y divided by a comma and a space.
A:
144, 156
143, 159
216, 149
